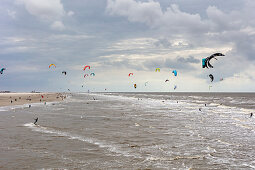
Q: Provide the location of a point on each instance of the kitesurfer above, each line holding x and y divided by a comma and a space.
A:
36, 120
200, 109
251, 115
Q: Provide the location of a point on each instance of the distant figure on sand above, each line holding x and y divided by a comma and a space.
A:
251, 115
205, 104
29, 105
36, 120
200, 109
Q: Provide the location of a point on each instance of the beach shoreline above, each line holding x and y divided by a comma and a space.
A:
11, 99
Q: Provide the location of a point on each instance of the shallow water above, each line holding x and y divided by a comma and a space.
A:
131, 131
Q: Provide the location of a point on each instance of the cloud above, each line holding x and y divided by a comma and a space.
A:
70, 13
180, 63
227, 31
147, 12
11, 13
124, 35
152, 14
163, 43
44, 9
190, 59
57, 25
50, 11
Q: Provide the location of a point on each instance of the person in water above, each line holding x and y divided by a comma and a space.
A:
251, 115
36, 120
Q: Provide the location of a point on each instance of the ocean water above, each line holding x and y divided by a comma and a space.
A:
131, 131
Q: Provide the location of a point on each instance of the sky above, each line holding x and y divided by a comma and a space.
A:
118, 37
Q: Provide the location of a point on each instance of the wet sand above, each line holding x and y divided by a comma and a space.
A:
9, 99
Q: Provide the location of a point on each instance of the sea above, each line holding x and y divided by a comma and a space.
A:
131, 131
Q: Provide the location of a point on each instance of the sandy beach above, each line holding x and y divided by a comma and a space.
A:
8, 99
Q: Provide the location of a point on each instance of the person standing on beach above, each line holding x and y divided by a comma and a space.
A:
251, 115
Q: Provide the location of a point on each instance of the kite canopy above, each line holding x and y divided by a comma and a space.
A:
166, 80
135, 86
175, 72
2, 70
130, 74
92, 74
86, 67
203, 63
211, 77
157, 70
64, 72
52, 65
206, 61
85, 75
175, 87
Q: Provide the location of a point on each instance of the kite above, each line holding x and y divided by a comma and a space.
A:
211, 77
175, 87
52, 65
86, 67
175, 72
64, 72
130, 74
206, 61
157, 70
2, 70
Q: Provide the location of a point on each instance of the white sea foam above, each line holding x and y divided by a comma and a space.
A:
110, 147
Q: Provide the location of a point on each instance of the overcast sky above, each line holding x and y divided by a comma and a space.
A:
116, 37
